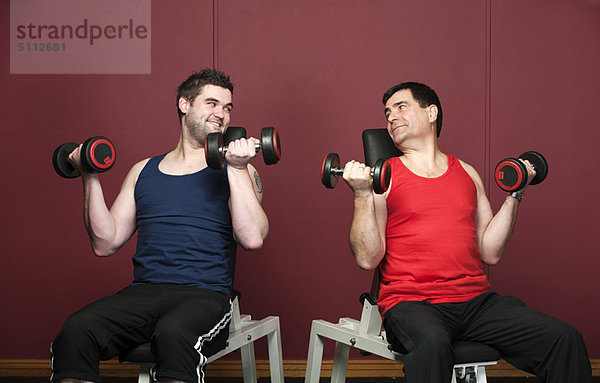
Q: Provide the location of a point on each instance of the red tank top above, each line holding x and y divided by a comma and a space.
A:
431, 238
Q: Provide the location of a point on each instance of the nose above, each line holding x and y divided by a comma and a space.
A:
219, 112
392, 117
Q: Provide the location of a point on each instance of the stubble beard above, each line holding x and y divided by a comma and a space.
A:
196, 128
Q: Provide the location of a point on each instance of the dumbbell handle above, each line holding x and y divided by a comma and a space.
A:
223, 149
340, 172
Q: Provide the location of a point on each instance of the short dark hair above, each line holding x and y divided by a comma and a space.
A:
423, 94
192, 86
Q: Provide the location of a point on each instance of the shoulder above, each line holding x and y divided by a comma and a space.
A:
395, 164
135, 171
470, 170
393, 160
138, 167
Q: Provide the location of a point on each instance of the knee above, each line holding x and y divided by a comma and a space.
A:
568, 333
431, 359
170, 332
436, 342
561, 335
76, 329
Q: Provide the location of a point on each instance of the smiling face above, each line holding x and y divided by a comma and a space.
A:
406, 119
209, 112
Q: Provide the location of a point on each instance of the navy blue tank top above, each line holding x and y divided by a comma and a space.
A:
184, 228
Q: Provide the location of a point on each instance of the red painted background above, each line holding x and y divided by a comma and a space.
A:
512, 76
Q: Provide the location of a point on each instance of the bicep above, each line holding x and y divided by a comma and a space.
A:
381, 214
123, 209
484, 212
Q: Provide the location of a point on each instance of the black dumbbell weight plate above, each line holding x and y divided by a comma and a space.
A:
382, 174
60, 161
98, 154
539, 163
214, 159
511, 175
270, 145
233, 133
328, 178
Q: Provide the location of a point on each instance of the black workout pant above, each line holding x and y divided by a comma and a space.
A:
529, 340
179, 321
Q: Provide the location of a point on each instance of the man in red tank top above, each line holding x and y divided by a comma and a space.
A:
429, 234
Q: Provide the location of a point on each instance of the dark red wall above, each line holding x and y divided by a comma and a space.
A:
512, 75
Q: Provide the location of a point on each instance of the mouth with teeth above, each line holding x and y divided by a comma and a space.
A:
217, 124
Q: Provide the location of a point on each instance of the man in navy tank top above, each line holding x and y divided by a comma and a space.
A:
428, 234
187, 217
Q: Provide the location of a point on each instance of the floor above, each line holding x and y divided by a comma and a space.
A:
220, 380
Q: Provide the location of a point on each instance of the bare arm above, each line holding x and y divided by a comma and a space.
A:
493, 231
108, 230
367, 231
250, 223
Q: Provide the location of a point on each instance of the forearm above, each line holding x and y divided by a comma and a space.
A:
499, 231
250, 223
365, 238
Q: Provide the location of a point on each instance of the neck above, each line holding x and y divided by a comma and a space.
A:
427, 161
424, 150
187, 157
188, 148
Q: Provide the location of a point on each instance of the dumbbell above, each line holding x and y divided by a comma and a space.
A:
331, 170
511, 174
97, 156
215, 150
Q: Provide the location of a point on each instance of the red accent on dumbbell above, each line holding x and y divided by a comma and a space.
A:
384, 180
323, 167
499, 175
276, 148
107, 161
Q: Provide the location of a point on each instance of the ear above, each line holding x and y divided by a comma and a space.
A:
184, 105
432, 112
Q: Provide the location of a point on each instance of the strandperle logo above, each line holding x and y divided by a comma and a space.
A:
80, 37
84, 31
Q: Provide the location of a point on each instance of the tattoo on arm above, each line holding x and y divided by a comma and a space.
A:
259, 187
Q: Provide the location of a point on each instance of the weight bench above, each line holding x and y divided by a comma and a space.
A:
366, 334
